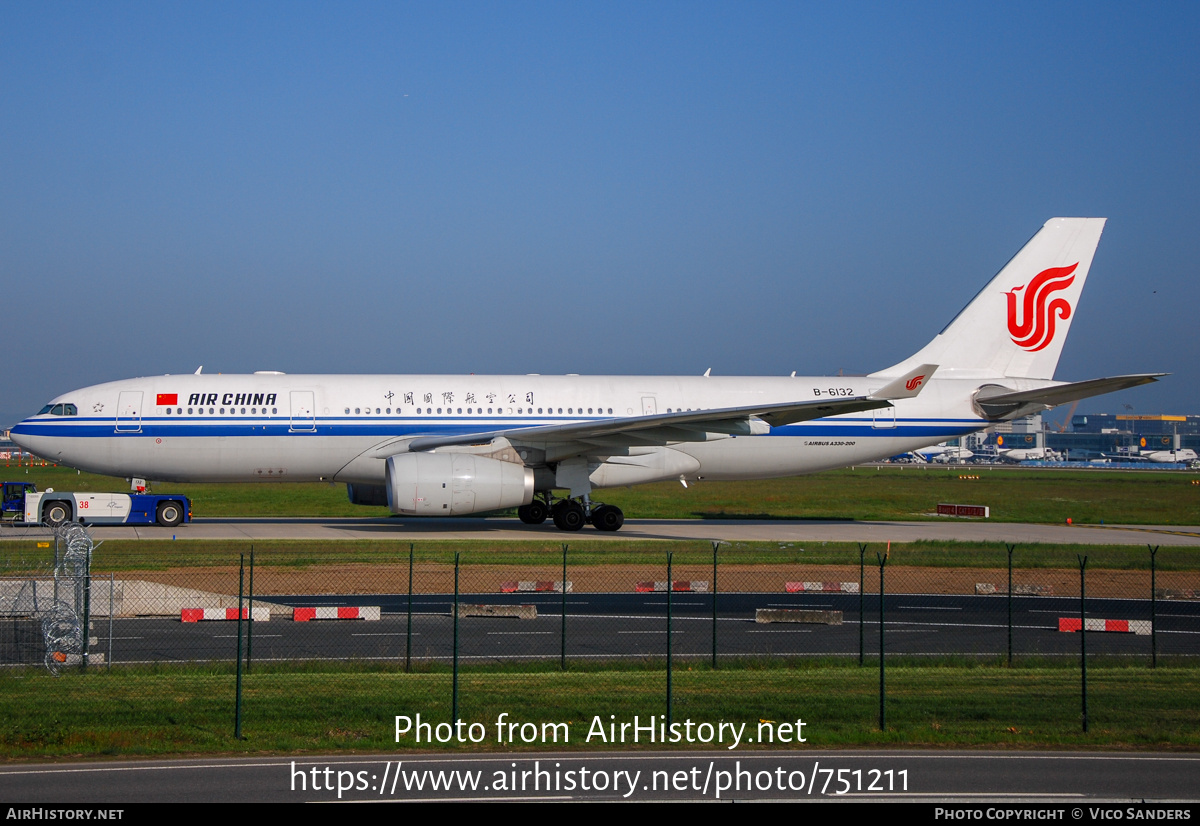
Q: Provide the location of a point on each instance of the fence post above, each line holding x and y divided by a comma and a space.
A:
1153, 610
112, 584
669, 685
883, 558
237, 703
408, 633
862, 581
87, 611
1083, 635
454, 688
250, 616
1010, 595
562, 652
714, 600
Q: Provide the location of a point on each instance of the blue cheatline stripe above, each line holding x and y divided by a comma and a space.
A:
192, 427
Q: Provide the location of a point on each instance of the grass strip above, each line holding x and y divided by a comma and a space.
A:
902, 492
119, 555
170, 711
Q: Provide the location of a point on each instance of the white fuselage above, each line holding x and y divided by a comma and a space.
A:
234, 428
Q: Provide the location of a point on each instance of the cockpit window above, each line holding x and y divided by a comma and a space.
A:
59, 410
45, 410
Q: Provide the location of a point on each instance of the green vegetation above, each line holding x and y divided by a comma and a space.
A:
904, 492
123, 555
172, 711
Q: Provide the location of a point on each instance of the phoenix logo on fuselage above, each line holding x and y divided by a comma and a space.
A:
1032, 328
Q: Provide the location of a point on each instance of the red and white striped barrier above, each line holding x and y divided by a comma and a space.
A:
335, 612
198, 614
844, 587
693, 585
540, 585
1139, 627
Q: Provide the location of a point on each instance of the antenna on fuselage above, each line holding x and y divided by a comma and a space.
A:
198, 369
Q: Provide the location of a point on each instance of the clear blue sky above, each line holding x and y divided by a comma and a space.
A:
571, 187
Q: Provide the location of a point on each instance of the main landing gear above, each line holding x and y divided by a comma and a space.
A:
572, 515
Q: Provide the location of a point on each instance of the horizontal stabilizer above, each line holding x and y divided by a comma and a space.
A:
996, 402
908, 385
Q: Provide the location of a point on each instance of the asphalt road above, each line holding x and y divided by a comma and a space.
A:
729, 530
632, 625
1076, 786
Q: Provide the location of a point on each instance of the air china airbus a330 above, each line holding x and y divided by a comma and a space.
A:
451, 445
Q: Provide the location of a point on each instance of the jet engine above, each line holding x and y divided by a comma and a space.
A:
453, 484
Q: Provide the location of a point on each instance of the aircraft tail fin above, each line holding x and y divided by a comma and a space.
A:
1017, 324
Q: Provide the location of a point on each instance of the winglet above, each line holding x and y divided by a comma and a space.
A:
908, 385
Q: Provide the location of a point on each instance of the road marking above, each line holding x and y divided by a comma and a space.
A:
522, 633
234, 636
925, 608
387, 634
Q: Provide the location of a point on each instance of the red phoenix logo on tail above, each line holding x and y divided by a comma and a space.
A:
1035, 327
914, 382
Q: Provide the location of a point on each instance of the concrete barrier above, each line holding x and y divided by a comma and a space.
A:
1140, 627
537, 586
844, 587
810, 617
683, 585
987, 588
223, 614
509, 611
335, 612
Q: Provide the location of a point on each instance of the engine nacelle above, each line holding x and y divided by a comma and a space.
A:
453, 484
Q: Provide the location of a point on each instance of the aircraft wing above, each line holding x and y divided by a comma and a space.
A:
998, 404
685, 426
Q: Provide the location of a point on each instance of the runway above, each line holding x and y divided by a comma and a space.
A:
780, 530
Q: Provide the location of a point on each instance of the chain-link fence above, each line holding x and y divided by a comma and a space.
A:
708, 628
723, 604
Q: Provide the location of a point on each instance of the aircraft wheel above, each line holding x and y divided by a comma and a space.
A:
608, 518
169, 514
534, 513
56, 513
569, 515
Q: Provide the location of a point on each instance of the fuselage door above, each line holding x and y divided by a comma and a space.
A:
649, 407
129, 411
883, 417
304, 417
